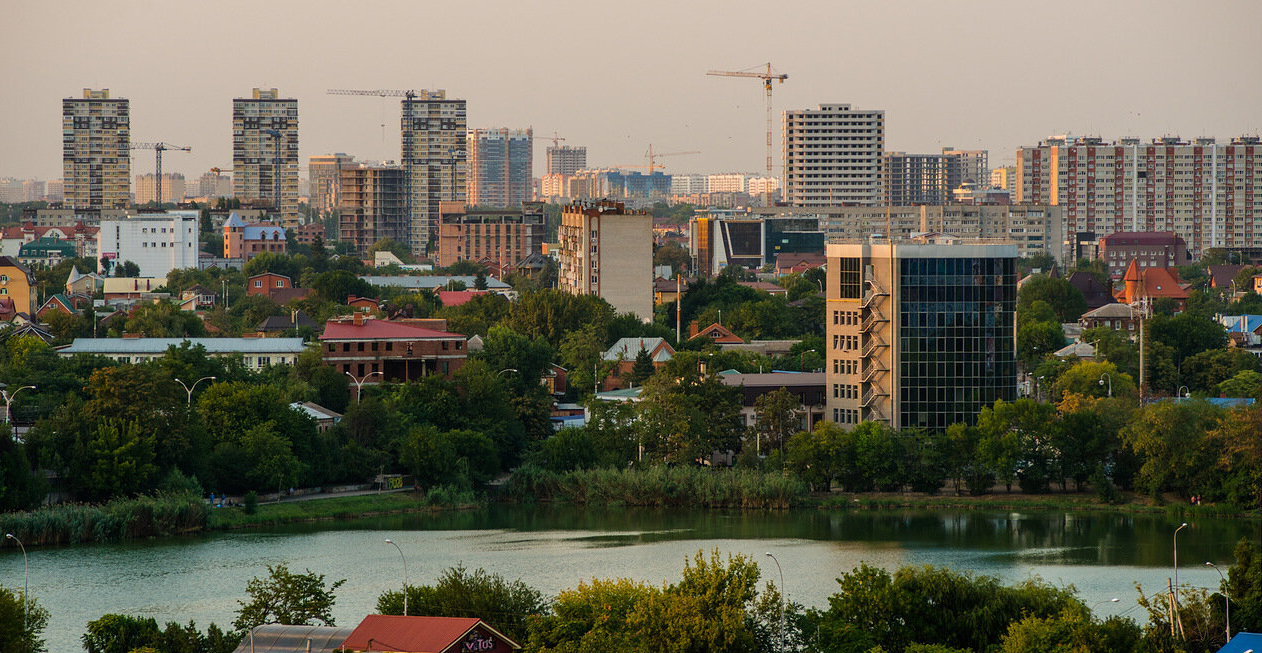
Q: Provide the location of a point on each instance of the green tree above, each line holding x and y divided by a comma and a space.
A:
1244, 384
1095, 380
641, 370
1064, 299
287, 598
685, 415
510, 605
394, 247
816, 455
1017, 442
22, 622
272, 462
1071, 631
675, 256
121, 460
593, 617
1204, 371
1038, 340
1186, 334
163, 320
1170, 440
776, 418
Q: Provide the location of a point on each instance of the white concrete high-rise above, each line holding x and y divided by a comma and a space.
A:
832, 156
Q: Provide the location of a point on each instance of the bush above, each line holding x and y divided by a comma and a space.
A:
251, 500
660, 486
122, 519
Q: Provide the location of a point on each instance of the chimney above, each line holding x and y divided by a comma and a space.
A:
359, 318
692, 329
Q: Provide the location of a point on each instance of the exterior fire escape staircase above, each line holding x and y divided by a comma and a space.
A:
872, 369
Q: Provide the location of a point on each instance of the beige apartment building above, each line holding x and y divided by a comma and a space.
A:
265, 152
919, 334
502, 237
1203, 190
967, 166
1004, 178
173, 188
606, 250
373, 205
566, 159
435, 156
325, 174
96, 151
833, 156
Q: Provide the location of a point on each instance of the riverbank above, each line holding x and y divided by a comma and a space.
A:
341, 508
1067, 502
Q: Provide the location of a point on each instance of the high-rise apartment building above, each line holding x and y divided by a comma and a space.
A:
913, 179
1004, 178
833, 156
325, 171
728, 182
96, 150
55, 190
213, 184
919, 334
435, 156
501, 167
265, 152
500, 237
607, 250
1203, 190
967, 166
173, 188
689, 184
566, 160
373, 205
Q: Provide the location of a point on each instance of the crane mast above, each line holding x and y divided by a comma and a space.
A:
158, 149
767, 78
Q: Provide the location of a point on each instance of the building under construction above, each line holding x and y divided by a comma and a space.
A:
434, 155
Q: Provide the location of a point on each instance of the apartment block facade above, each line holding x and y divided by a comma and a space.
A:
373, 206
566, 159
833, 156
501, 167
173, 188
1204, 191
919, 334
503, 237
96, 151
265, 152
325, 174
607, 250
967, 166
435, 156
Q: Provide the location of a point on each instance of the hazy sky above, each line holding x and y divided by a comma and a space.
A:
617, 76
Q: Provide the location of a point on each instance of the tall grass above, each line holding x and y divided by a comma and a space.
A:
659, 486
121, 519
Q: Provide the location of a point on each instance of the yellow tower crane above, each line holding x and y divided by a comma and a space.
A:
766, 77
653, 156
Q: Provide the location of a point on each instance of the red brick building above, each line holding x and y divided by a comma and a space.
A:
376, 350
1155, 249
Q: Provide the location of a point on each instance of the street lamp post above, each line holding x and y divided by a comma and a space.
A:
781, 599
189, 388
802, 358
507, 369
1110, 378
8, 401
26, 579
1226, 597
1183, 391
405, 575
1176, 561
359, 384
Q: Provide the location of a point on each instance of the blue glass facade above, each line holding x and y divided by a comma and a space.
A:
956, 347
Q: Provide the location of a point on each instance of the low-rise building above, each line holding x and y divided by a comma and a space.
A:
116, 288
1156, 249
373, 351
17, 286
245, 241
1150, 284
158, 243
256, 353
277, 287
325, 419
504, 236
624, 352
1122, 317
808, 387
85, 284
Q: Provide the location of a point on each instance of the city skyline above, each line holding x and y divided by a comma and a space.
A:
1010, 76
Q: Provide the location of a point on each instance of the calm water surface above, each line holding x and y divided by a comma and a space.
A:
201, 579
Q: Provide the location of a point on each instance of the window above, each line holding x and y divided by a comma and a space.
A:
258, 283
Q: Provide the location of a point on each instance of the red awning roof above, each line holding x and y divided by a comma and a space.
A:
379, 632
381, 329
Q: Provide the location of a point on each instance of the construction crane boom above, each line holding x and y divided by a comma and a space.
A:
767, 78
158, 148
381, 92
653, 156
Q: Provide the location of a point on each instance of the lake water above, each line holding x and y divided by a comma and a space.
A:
554, 548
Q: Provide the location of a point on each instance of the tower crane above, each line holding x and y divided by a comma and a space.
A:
158, 149
407, 152
556, 140
767, 78
653, 156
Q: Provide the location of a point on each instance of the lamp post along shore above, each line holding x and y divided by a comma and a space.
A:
26, 579
779, 569
405, 575
189, 388
1226, 597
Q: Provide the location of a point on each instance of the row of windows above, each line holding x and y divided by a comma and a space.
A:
389, 346
845, 416
846, 342
848, 318
845, 366
845, 391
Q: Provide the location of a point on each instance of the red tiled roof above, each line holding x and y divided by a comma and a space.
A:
379, 632
458, 297
373, 329
1140, 238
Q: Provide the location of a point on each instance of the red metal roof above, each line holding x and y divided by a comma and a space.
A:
1121, 238
381, 329
379, 632
458, 297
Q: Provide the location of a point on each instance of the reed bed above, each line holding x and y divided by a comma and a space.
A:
659, 487
115, 521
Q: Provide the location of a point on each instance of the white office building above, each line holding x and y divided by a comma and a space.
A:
158, 243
